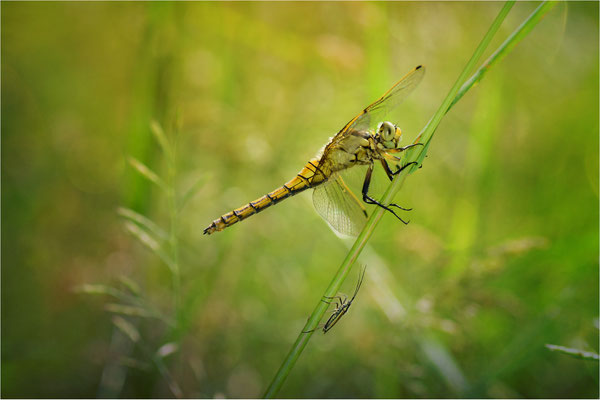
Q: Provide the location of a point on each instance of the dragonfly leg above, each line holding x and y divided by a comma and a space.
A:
401, 149
403, 167
387, 169
369, 200
411, 145
396, 173
402, 208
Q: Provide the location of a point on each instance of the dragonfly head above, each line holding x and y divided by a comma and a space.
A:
389, 134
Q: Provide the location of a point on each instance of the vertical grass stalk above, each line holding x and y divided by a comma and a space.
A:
169, 150
460, 87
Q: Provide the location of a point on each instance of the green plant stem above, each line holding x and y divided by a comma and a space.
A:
169, 149
498, 55
505, 47
363, 237
162, 369
174, 243
461, 86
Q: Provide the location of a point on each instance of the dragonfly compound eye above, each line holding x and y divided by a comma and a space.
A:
387, 131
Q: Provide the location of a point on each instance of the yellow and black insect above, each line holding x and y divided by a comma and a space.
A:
363, 141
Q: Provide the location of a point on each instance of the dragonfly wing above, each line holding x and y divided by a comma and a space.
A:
340, 206
375, 112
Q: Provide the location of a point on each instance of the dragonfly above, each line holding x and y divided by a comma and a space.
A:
363, 141
342, 305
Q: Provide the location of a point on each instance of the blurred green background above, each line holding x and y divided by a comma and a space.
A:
500, 257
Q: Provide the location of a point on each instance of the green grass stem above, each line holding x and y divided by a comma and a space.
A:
505, 48
460, 87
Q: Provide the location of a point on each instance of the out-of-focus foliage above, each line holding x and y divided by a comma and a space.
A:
500, 257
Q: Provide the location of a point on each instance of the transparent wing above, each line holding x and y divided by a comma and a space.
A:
376, 112
340, 206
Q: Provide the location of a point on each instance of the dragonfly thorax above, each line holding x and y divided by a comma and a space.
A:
388, 134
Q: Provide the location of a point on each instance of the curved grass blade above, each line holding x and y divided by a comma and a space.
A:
366, 233
144, 222
498, 55
147, 173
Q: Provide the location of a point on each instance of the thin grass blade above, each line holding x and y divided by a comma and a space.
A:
362, 239
163, 142
191, 192
98, 289
150, 242
144, 222
127, 328
577, 353
147, 173
131, 311
131, 285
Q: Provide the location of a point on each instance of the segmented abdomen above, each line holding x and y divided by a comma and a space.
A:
310, 176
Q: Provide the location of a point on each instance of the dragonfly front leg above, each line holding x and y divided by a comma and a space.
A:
392, 157
391, 175
388, 170
404, 166
401, 149
369, 200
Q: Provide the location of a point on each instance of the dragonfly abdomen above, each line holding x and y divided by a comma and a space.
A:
310, 176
